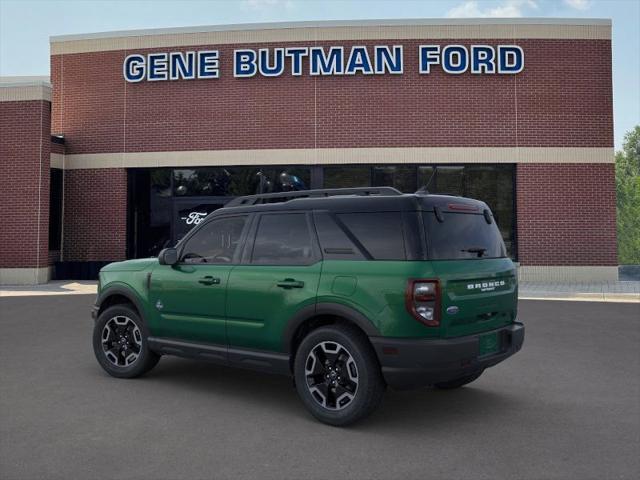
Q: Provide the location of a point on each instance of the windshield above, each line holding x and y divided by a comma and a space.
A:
462, 236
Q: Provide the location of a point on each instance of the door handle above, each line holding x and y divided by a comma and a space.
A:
209, 280
290, 283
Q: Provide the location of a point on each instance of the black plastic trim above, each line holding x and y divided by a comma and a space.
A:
119, 290
264, 361
412, 363
334, 309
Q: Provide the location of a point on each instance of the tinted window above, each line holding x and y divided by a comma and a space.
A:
283, 239
216, 242
334, 241
462, 236
379, 233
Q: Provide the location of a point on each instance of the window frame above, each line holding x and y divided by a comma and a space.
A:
235, 260
247, 254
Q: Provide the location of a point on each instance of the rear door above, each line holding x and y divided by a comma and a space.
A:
477, 279
278, 276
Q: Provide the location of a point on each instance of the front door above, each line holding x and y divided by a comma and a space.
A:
190, 297
278, 276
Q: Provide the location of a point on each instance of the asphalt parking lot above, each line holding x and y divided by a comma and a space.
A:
567, 406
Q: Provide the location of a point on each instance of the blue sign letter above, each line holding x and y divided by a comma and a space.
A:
331, 64
157, 67
455, 59
510, 59
483, 59
385, 61
244, 63
208, 64
274, 70
359, 61
296, 55
133, 68
429, 55
181, 67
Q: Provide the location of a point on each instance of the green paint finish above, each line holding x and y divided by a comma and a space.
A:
344, 286
262, 299
188, 301
250, 305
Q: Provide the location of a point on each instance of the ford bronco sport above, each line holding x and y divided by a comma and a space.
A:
346, 290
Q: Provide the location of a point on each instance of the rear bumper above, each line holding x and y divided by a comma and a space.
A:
409, 363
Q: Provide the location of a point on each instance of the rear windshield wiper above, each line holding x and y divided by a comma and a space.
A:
478, 250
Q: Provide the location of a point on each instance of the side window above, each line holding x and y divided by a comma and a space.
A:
283, 239
334, 242
216, 242
379, 233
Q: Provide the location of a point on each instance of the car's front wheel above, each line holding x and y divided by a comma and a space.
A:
120, 343
337, 375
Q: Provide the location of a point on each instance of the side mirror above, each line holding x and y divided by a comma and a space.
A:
168, 256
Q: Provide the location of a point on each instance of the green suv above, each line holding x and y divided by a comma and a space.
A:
346, 290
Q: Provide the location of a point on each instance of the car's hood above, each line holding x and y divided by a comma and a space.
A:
130, 265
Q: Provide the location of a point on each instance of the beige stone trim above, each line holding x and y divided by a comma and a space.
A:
568, 274
22, 93
340, 156
24, 276
433, 29
57, 160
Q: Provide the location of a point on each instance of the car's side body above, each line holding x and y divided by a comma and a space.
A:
254, 314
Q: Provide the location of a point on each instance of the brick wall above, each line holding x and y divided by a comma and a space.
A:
566, 214
57, 148
24, 196
95, 214
562, 98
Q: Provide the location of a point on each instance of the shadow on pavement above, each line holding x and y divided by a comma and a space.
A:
417, 410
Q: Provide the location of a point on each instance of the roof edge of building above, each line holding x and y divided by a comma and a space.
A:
346, 30
25, 89
25, 81
333, 24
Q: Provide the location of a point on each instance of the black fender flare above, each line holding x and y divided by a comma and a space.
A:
123, 291
335, 309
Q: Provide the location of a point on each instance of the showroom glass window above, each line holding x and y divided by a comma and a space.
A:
164, 203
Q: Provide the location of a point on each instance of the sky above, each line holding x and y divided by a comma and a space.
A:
25, 26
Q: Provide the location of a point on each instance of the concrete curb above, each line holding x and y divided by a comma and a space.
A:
585, 297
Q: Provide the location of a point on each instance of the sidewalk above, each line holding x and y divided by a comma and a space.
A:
583, 292
55, 287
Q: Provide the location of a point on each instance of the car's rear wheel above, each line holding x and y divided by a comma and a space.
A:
337, 375
120, 343
459, 382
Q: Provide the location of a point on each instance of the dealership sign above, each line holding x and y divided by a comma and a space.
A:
325, 61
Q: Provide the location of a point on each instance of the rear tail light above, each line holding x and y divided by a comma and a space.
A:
422, 300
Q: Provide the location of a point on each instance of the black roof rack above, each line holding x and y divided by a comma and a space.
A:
327, 192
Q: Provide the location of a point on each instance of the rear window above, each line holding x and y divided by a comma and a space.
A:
462, 236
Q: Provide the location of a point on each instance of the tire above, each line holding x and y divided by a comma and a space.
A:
337, 375
121, 328
459, 382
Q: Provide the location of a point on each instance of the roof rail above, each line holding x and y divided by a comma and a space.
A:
327, 192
